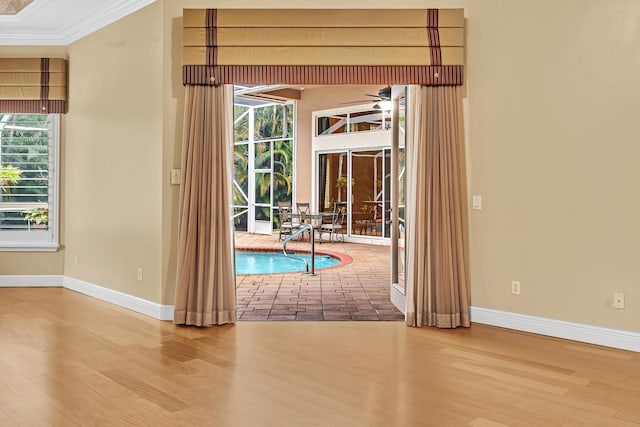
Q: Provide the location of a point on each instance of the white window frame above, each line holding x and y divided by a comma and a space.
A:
41, 241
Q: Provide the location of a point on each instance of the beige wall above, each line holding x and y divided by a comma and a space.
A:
37, 263
554, 95
552, 136
114, 156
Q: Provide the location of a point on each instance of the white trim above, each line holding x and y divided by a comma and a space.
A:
607, 337
28, 10
398, 297
166, 312
28, 247
140, 305
72, 32
102, 18
23, 281
615, 338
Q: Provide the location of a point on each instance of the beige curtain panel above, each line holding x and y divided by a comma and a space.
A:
437, 272
33, 85
323, 46
206, 288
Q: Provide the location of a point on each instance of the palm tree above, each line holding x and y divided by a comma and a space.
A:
9, 175
273, 152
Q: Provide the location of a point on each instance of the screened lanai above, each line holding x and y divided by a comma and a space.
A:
344, 151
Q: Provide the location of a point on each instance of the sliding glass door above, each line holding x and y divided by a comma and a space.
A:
397, 199
370, 192
361, 180
332, 180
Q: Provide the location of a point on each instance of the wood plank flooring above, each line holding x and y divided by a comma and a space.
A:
69, 360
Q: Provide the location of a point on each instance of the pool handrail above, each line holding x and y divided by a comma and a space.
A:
302, 229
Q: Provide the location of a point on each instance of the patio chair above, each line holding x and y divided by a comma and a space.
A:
305, 217
366, 219
336, 227
287, 224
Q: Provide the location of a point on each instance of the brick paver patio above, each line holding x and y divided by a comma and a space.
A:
357, 291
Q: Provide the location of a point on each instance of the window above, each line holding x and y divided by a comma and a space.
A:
358, 121
28, 181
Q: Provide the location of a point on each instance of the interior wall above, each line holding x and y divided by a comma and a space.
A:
38, 263
113, 158
554, 149
551, 137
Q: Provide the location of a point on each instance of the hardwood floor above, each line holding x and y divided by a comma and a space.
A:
69, 360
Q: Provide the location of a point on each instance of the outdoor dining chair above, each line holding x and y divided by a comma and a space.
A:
305, 217
336, 227
287, 223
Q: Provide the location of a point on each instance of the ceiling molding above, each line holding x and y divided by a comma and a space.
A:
12, 7
25, 13
111, 14
68, 32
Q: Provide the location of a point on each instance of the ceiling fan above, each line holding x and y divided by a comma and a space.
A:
384, 95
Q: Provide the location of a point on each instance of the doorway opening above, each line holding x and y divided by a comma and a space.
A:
272, 138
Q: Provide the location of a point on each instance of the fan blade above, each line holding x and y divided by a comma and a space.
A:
362, 101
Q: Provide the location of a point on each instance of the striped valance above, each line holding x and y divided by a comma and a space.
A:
33, 85
327, 46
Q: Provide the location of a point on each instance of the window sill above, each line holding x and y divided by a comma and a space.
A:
28, 247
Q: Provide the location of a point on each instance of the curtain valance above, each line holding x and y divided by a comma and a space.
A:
323, 46
33, 85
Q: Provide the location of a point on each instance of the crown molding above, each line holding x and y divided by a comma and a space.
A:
25, 13
69, 33
113, 13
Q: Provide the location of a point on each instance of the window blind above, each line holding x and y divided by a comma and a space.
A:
33, 85
26, 173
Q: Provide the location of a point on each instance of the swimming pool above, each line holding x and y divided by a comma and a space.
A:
275, 262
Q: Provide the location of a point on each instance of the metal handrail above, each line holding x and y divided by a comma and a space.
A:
306, 227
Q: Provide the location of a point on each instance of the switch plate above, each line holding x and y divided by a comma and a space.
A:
139, 273
176, 179
618, 300
476, 203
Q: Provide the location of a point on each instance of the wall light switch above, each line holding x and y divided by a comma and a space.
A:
476, 203
176, 179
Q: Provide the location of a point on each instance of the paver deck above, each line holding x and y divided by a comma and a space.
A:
356, 291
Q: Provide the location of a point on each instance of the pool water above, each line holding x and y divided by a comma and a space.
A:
276, 262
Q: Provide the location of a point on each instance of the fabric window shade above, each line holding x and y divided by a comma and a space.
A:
327, 46
33, 85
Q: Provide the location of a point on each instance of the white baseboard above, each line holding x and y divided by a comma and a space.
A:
615, 338
140, 305
20, 281
166, 312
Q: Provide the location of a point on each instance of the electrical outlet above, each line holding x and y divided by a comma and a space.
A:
139, 273
515, 287
76, 260
618, 300
476, 203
